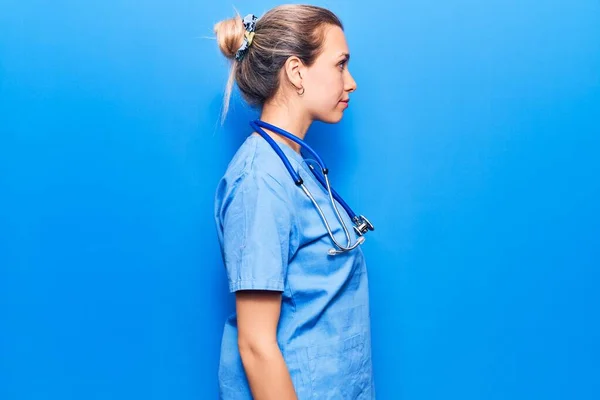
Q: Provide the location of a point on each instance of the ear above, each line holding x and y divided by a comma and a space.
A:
293, 69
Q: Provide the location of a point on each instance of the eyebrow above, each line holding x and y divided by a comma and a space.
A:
346, 56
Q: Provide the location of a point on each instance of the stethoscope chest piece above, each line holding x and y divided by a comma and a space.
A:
362, 225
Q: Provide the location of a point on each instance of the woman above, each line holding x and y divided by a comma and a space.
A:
301, 328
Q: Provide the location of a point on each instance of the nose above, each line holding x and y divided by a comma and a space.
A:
350, 83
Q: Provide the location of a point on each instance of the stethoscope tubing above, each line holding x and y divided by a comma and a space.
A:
257, 125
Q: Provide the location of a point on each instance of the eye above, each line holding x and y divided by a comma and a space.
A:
342, 64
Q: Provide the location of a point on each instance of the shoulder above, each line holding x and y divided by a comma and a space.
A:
255, 170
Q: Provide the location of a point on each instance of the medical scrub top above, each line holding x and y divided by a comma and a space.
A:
272, 238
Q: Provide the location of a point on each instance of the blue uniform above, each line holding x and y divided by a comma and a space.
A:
272, 238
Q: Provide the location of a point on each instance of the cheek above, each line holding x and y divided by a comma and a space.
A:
334, 80
328, 87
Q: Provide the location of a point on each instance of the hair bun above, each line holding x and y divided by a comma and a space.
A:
230, 35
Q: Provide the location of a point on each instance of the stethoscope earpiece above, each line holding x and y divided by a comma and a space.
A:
333, 252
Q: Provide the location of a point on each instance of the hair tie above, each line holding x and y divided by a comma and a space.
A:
250, 25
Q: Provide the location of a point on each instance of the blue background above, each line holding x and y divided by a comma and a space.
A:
471, 144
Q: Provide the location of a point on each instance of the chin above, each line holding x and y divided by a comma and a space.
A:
332, 118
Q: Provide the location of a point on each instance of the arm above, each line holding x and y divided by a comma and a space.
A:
257, 319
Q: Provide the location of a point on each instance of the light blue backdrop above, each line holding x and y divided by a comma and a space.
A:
471, 143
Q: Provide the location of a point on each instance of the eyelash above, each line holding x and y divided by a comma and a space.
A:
343, 64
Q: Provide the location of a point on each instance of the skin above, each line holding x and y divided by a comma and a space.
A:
326, 84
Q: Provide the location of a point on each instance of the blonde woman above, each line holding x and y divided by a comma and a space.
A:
301, 329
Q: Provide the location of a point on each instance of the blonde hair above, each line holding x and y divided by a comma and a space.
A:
284, 31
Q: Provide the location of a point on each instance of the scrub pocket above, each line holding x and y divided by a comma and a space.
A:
334, 368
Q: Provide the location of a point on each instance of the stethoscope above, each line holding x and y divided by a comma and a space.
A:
361, 224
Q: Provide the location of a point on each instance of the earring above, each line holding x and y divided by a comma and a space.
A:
300, 94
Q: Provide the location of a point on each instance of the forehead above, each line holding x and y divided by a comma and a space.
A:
335, 42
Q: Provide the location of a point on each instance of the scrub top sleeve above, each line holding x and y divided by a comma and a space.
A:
258, 229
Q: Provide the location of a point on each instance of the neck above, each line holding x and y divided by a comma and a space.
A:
284, 118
